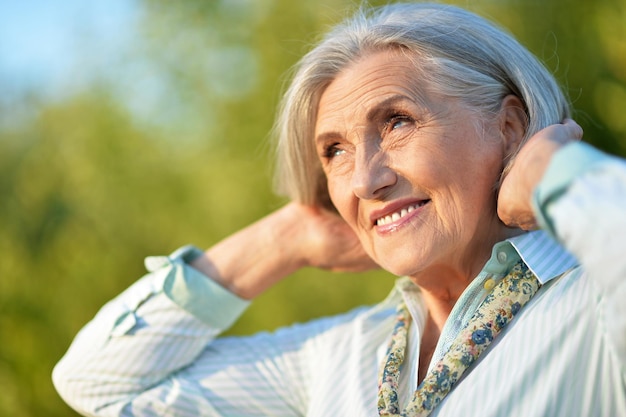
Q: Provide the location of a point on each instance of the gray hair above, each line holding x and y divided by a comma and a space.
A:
458, 54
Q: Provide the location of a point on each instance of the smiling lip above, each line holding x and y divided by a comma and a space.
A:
395, 214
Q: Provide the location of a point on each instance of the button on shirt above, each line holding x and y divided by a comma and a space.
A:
155, 350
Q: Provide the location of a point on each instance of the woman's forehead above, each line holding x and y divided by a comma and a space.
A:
377, 79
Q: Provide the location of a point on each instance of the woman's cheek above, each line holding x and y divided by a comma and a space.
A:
339, 192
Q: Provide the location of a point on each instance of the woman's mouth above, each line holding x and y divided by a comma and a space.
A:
397, 215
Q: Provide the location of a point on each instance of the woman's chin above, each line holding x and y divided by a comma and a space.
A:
400, 269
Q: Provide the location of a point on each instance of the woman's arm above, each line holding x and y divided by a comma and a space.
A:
134, 357
578, 194
588, 214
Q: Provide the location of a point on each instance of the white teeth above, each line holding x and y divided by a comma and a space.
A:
397, 215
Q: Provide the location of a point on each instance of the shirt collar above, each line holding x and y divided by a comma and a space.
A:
546, 258
543, 255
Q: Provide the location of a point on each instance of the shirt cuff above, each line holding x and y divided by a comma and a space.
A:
568, 163
196, 293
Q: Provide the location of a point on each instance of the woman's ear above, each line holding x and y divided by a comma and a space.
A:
513, 123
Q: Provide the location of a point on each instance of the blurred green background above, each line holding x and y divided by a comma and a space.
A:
163, 139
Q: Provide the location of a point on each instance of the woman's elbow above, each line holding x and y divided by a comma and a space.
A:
83, 394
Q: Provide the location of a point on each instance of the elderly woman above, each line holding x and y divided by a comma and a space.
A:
437, 139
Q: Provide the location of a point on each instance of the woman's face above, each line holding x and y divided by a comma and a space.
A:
411, 172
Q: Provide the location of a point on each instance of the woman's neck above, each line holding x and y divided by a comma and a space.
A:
443, 284
439, 305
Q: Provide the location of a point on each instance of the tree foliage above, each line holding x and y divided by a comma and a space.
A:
172, 148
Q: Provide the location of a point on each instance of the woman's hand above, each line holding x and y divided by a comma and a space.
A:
294, 236
515, 195
328, 242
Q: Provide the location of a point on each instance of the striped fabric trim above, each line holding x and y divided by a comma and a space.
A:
543, 255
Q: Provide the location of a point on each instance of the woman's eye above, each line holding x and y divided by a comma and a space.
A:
397, 122
332, 151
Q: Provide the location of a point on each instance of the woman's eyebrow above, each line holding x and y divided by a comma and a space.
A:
381, 107
326, 137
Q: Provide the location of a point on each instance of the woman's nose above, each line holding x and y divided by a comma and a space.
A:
372, 174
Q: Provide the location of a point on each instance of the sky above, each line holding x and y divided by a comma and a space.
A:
53, 47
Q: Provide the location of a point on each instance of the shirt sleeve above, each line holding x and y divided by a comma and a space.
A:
146, 352
581, 200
